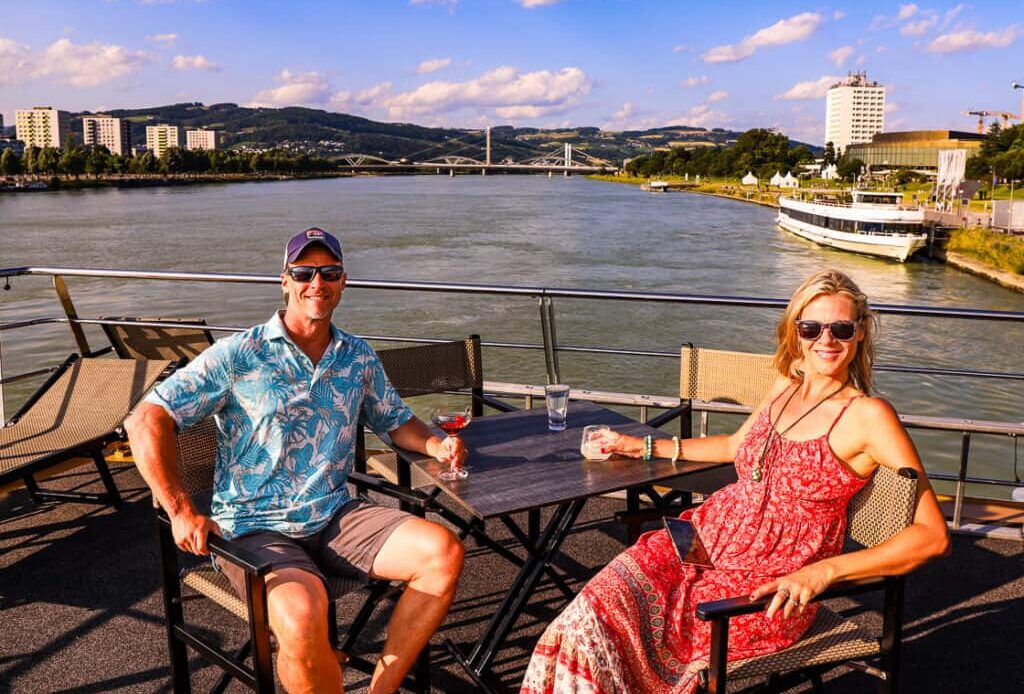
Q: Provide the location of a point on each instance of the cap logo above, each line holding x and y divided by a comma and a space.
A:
314, 234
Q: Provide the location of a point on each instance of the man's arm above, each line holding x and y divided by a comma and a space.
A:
151, 433
416, 436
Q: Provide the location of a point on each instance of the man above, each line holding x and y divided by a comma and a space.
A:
288, 395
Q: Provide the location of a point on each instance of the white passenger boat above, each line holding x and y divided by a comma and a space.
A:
874, 223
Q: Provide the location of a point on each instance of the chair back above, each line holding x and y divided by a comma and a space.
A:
151, 342
714, 375
197, 456
435, 368
884, 507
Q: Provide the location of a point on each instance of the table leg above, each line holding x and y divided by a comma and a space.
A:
515, 600
529, 542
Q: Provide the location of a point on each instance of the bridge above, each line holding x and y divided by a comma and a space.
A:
566, 161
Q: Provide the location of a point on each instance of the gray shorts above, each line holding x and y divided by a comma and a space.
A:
346, 547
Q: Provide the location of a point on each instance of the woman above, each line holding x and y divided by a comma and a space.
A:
807, 449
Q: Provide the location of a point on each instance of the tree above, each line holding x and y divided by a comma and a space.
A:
30, 160
97, 161
849, 169
829, 158
1009, 165
10, 163
48, 161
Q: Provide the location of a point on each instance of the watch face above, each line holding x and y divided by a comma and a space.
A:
688, 543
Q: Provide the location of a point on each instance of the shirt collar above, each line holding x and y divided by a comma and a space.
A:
275, 330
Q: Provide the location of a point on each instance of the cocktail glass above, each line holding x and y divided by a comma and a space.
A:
451, 421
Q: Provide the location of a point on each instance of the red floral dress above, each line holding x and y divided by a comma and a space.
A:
633, 627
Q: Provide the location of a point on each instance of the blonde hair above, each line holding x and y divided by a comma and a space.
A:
788, 356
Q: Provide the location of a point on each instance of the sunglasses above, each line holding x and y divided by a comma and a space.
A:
306, 273
842, 330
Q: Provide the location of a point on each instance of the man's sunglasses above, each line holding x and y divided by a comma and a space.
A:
842, 330
306, 273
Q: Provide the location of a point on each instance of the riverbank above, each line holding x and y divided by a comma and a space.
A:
27, 184
990, 254
718, 189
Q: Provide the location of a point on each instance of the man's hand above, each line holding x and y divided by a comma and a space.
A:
448, 450
190, 530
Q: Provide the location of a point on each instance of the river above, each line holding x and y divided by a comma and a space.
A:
516, 230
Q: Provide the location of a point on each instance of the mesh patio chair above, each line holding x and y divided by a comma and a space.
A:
75, 413
132, 341
705, 375
197, 456
883, 508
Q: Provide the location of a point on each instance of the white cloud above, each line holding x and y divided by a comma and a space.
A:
715, 97
796, 28
694, 81
681, 48
907, 11
951, 14
812, 89
450, 4
919, 27
838, 14
840, 55
701, 116
15, 62
194, 62
513, 94
297, 88
530, 4
433, 65
86, 65
164, 39
970, 40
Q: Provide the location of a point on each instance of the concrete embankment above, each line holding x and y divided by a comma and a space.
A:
1011, 280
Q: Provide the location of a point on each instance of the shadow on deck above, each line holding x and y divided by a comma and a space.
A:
81, 611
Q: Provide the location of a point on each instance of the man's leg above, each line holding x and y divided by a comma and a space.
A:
428, 558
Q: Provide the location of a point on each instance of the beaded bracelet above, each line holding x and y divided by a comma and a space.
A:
648, 447
677, 449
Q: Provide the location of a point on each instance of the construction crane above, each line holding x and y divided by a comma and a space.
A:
1018, 85
1005, 115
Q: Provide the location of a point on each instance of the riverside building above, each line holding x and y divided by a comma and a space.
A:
854, 111
41, 126
160, 138
913, 149
201, 139
112, 133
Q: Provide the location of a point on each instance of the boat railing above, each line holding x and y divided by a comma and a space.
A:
552, 348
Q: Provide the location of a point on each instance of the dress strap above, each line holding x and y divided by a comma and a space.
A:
841, 413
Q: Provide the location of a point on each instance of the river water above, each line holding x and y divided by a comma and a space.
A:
513, 230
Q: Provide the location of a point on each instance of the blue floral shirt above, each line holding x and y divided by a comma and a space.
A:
286, 428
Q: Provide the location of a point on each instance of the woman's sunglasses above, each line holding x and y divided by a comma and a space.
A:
842, 330
306, 273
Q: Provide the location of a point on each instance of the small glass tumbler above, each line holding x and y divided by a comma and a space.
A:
557, 397
590, 444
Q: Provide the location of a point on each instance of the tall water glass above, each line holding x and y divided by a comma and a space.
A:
557, 396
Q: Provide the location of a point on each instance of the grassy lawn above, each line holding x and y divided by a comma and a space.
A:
999, 250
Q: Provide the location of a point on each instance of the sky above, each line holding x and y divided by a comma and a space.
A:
615, 64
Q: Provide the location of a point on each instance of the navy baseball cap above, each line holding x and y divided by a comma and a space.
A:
304, 239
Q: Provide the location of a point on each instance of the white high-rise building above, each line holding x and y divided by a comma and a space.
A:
854, 111
159, 138
112, 133
201, 139
41, 126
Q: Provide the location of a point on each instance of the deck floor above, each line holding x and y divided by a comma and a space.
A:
81, 611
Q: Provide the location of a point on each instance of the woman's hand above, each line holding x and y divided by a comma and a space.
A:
614, 442
796, 590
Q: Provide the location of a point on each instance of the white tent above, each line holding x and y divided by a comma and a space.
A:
829, 173
777, 179
749, 180
789, 181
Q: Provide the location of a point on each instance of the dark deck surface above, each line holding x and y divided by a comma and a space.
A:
80, 605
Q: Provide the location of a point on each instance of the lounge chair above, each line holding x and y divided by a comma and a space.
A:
133, 341
75, 413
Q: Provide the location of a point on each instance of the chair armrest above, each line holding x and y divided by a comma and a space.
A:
497, 404
734, 607
226, 549
382, 486
668, 415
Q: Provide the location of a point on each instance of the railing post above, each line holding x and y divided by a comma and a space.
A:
3, 412
550, 337
961, 477
69, 310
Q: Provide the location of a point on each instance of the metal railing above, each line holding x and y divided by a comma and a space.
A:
545, 298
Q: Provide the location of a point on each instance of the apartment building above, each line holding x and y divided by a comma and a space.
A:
854, 111
201, 139
160, 138
112, 133
41, 126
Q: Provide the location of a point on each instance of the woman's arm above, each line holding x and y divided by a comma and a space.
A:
887, 443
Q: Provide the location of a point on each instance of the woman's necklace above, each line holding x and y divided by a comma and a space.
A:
755, 472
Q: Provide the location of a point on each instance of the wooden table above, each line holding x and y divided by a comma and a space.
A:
516, 464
